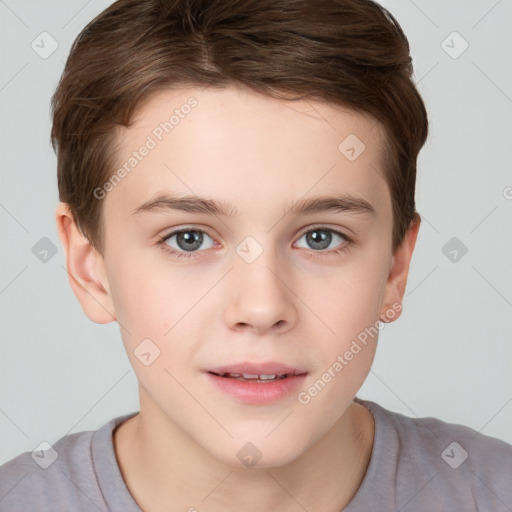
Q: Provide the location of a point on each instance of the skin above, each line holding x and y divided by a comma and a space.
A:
292, 304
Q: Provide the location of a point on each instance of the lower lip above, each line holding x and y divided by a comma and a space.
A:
257, 392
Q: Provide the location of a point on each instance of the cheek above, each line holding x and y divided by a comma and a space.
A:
162, 303
151, 309
150, 297
350, 298
343, 358
349, 306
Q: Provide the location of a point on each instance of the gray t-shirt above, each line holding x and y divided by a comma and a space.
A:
417, 464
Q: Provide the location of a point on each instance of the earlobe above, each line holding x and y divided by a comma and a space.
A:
86, 269
399, 270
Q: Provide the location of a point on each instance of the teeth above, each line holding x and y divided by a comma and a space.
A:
250, 376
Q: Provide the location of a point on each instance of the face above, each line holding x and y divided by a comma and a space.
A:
276, 263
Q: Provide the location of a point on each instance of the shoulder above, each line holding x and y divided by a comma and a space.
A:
458, 463
453, 444
57, 477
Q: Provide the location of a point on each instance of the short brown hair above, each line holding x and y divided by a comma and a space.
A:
349, 52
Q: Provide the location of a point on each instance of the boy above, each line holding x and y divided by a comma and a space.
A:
237, 182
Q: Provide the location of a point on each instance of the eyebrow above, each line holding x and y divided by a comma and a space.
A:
194, 204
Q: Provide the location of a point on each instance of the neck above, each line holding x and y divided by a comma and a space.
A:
168, 471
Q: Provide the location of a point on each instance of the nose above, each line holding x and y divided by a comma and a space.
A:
259, 297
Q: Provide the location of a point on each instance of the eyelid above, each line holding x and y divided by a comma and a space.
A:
177, 230
347, 243
327, 228
185, 228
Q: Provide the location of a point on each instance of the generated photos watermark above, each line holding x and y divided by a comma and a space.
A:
342, 360
152, 140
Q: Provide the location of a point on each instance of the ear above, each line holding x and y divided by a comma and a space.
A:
86, 269
399, 270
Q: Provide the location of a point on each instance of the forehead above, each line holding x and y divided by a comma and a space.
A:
246, 148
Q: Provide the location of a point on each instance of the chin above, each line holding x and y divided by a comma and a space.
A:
260, 453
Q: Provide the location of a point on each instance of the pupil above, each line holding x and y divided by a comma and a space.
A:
189, 240
319, 238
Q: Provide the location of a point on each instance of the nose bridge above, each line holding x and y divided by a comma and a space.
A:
256, 267
258, 296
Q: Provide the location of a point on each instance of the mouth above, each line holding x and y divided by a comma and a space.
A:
261, 378
258, 372
252, 383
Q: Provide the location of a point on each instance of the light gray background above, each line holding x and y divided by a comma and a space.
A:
450, 353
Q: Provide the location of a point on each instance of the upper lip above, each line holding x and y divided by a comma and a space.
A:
266, 368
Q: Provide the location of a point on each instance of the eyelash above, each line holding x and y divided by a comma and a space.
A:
316, 254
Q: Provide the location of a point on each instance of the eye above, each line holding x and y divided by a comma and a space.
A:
320, 238
185, 242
